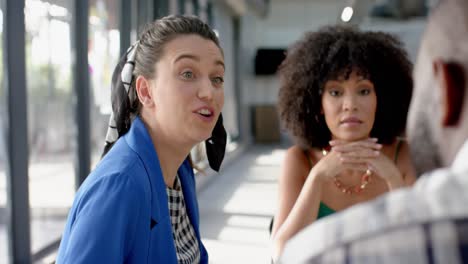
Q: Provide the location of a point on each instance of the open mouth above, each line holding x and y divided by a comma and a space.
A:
205, 112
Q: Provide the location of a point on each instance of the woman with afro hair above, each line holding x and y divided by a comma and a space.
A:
344, 98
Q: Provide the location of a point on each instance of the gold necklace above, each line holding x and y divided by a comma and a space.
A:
354, 189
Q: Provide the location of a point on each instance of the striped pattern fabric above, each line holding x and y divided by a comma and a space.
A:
427, 223
126, 79
186, 242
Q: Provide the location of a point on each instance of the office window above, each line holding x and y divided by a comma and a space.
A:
4, 257
203, 10
51, 121
177, 6
189, 8
104, 48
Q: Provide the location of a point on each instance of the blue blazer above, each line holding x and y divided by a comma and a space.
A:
120, 213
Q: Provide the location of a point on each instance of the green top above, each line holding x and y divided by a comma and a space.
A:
324, 210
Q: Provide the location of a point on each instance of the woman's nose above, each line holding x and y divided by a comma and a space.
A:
349, 103
205, 91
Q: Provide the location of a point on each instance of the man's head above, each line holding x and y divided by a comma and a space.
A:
438, 117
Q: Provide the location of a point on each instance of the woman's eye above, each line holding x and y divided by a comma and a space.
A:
218, 80
365, 91
188, 75
334, 93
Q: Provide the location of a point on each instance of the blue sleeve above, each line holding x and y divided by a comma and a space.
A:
102, 224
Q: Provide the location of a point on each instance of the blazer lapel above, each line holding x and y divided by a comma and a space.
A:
140, 141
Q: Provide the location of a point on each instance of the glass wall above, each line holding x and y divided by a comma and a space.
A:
104, 48
51, 121
173, 6
4, 257
189, 8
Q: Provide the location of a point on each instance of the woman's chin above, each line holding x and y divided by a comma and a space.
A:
198, 138
351, 138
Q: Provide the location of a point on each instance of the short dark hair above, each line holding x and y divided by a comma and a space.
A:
332, 52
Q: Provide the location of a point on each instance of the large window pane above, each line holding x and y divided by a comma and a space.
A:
51, 122
104, 40
4, 258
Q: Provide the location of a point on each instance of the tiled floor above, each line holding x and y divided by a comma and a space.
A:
236, 208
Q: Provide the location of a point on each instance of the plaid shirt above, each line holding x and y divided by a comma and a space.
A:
427, 223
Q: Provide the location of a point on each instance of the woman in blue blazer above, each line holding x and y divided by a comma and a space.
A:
139, 205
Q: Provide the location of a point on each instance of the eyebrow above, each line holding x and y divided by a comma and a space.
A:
361, 78
196, 58
364, 80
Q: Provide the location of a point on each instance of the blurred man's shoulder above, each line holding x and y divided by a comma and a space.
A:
437, 197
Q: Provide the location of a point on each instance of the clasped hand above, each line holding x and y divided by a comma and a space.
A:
359, 155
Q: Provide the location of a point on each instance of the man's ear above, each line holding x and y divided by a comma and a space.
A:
451, 78
143, 88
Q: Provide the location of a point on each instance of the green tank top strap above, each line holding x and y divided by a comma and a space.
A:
397, 149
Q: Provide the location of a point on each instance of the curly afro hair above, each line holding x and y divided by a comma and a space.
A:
333, 52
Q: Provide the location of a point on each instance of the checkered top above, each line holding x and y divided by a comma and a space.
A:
186, 242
